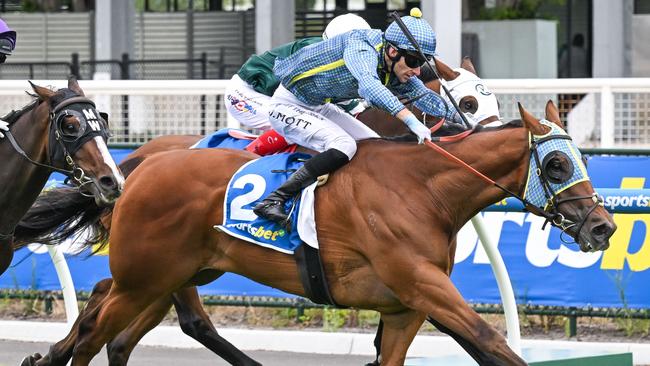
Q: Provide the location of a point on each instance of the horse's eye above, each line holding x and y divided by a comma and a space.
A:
558, 167
468, 104
556, 164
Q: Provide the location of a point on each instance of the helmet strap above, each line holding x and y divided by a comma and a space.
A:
394, 59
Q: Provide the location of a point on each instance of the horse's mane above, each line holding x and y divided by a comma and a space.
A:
14, 115
515, 123
450, 129
61, 95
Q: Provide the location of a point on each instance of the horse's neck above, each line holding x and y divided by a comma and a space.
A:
444, 188
20, 180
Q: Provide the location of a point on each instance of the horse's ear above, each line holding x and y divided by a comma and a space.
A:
104, 116
531, 123
468, 65
553, 115
445, 71
74, 85
43, 93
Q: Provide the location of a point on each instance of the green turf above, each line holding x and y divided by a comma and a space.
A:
620, 359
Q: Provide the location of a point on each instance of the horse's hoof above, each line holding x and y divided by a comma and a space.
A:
28, 361
31, 360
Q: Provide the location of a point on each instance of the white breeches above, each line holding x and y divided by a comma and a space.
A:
320, 127
246, 105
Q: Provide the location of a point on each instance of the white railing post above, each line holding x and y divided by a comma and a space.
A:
503, 282
67, 286
606, 117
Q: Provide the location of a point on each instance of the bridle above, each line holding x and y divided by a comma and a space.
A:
61, 146
548, 207
551, 211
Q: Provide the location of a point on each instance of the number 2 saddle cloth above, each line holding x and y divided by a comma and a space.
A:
252, 183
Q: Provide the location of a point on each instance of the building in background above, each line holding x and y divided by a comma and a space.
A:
211, 38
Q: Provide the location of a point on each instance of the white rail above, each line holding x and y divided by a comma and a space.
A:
599, 112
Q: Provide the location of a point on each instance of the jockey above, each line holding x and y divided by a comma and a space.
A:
249, 91
361, 63
7, 41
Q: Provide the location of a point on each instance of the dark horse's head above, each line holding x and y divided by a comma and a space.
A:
558, 185
75, 138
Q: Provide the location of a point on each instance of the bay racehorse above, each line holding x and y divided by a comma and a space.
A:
468, 91
58, 131
385, 239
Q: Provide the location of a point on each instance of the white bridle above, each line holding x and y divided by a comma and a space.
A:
468, 84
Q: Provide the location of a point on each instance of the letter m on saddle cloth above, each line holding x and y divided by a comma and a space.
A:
254, 181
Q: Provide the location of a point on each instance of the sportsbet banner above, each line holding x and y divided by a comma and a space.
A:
544, 271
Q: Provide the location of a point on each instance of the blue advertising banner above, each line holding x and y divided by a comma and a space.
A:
543, 269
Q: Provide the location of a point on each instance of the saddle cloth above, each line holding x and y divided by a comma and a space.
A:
226, 138
249, 185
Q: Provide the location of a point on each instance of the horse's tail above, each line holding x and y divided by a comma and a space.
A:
59, 214
62, 213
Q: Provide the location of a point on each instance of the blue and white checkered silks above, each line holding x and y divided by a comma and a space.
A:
421, 31
534, 192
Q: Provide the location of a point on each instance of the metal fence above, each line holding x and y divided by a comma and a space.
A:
225, 63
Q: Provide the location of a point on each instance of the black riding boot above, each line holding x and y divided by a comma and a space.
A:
272, 207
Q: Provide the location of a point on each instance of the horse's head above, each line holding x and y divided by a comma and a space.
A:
77, 142
474, 99
558, 185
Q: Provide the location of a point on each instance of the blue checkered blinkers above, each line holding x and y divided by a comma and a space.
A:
555, 166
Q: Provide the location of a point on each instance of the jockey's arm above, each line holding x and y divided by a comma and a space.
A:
361, 60
428, 101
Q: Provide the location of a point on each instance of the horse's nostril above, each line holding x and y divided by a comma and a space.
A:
108, 182
602, 230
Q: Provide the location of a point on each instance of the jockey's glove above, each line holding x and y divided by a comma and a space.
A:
418, 128
4, 126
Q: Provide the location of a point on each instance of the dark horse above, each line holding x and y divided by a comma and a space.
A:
59, 131
192, 318
385, 242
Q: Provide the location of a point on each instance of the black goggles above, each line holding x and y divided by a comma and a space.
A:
412, 59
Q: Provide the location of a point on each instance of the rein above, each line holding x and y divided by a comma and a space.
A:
76, 173
554, 216
22, 153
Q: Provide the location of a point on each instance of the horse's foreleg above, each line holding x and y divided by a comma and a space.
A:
399, 329
6, 255
103, 323
435, 293
196, 323
377, 343
61, 352
119, 348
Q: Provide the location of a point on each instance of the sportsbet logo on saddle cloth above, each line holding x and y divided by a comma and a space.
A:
254, 181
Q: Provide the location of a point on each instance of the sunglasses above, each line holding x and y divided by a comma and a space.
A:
413, 60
